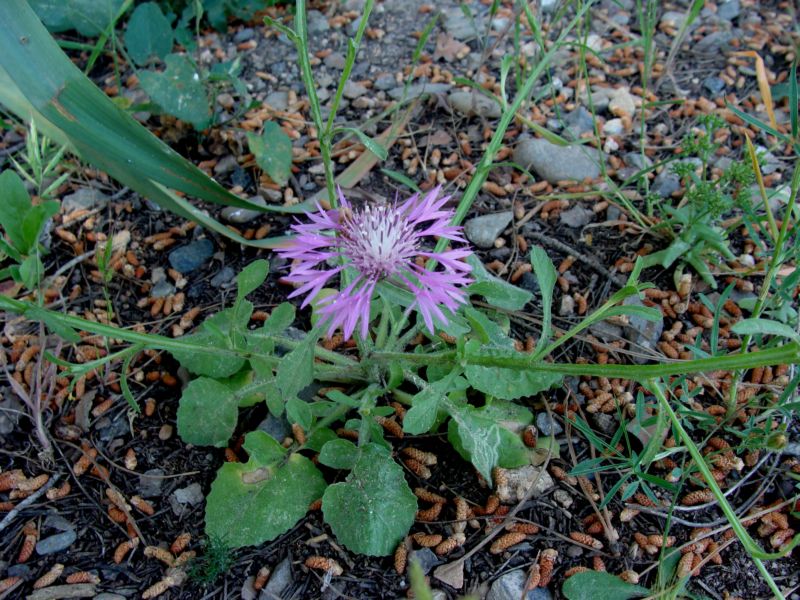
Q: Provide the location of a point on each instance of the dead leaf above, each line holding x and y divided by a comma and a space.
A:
452, 574
449, 48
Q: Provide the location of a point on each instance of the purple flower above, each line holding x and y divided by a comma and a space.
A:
378, 243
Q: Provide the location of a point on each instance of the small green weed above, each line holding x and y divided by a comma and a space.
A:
216, 559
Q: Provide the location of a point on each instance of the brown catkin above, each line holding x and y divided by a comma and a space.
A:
547, 562
50, 577
428, 496
261, 578
504, 542
697, 497
180, 543
401, 558
428, 459
427, 540
586, 540
430, 514
323, 563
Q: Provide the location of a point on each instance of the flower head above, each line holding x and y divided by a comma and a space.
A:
379, 243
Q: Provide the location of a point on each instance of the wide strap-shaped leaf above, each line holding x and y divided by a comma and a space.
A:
47, 85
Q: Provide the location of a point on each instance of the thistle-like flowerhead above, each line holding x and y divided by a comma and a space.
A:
378, 243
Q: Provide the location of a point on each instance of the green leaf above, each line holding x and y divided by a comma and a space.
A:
15, 204
339, 454
596, 585
250, 278
257, 501
497, 292
207, 413
179, 90
35, 220
421, 417
90, 18
476, 437
273, 152
765, 327
507, 384
372, 511
298, 411
546, 275
148, 33
368, 142
296, 369
220, 331
279, 319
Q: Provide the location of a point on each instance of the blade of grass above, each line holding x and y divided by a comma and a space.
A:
751, 151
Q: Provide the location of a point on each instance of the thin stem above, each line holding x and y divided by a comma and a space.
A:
786, 354
752, 548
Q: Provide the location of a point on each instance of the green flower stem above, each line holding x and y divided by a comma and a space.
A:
774, 266
786, 354
152, 340
485, 166
752, 548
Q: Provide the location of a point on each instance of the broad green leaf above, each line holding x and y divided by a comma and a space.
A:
90, 18
476, 437
596, 585
279, 319
296, 369
15, 203
148, 33
422, 415
486, 330
506, 384
273, 152
207, 413
34, 221
257, 501
299, 412
765, 327
220, 331
497, 292
373, 509
179, 90
250, 278
339, 454
546, 275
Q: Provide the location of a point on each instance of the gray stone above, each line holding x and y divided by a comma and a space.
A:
226, 101
473, 104
223, 277
460, 26
418, 89
548, 6
622, 103
578, 122
567, 306
511, 586
58, 522
84, 198
484, 230
613, 127
225, 165
10, 416
56, 543
385, 82
426, 558
109, 596
280, 579
673, 18
792, 449
275, 427
353, 90
150, 483
714, 42
192, 494
642, 333
636, 160
605, 423
240, 216
112, 427
556, 163
23, 571
162, 289
729, 10
192, 256
335, 60
666, 183
576, 217
547, 425
317, 22
518, 481
606, 332
278, 100
244, 35
714, 85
